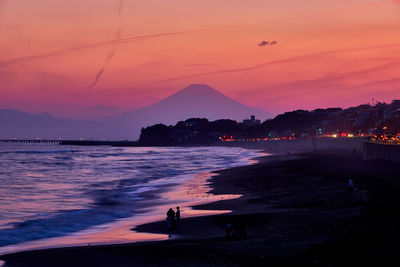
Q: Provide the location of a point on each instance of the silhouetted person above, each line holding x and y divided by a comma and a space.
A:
239, 229
228, 229
178, 216
314, 144
170, 219
350, 185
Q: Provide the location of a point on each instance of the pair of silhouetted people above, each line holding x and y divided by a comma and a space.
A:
352, 186
173, 218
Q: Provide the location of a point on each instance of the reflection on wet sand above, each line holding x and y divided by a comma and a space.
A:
191, 193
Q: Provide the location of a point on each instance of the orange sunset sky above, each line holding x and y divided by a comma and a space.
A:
84, 58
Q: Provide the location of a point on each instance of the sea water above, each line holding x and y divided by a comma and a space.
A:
48, 190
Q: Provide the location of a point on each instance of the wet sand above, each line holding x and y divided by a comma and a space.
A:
297, 209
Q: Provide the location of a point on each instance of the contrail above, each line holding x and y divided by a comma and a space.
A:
101, 71
347, 88
111, 53
44, 80
96, 79
160, 35
120, 6
29, 46
28, 42
91, 45
274, 62
132, 39
112, 42
322, 83
330, 78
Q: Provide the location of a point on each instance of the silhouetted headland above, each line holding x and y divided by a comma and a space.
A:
378, 121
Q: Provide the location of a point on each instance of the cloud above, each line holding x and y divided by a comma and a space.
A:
267, 43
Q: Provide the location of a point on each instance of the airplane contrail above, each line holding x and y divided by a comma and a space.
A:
107, 60
111, 53
274, 62
28, 42
132, 39
298, 93
330, 78
29, 46
91, 45
120, 6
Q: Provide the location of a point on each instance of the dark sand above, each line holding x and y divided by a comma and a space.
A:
297, 209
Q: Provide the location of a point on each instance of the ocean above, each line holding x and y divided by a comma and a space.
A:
52, 191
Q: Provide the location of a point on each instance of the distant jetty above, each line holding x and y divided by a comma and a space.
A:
29, 141
99, 143
72, 142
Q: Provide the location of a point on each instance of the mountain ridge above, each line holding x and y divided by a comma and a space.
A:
200, 99
196, 100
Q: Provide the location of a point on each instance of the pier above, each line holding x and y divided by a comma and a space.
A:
99, 143
28, 141
71, 142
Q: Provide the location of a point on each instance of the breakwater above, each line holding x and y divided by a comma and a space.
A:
373, 150
99, 143
29, 141
72, 142
351, 145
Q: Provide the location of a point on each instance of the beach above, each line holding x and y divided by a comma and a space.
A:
297, 210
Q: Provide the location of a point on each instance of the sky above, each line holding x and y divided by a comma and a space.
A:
92, 58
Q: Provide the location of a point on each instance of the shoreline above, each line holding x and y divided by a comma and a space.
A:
198, 187
298, 211
196, 212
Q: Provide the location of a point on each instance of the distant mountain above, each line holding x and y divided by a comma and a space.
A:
197, 100
194, 101
21, 125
